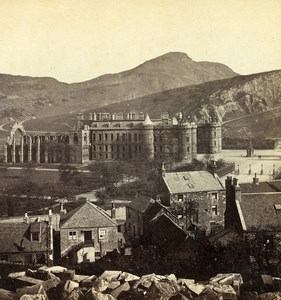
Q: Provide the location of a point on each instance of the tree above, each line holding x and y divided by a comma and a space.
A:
66, 173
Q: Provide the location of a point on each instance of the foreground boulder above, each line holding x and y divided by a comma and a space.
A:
94, 295
270, 296
162, 290
32, 291
68, 288
6, 295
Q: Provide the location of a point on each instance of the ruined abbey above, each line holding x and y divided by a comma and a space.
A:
116, 136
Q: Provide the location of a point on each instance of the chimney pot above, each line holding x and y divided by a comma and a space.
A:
235, 182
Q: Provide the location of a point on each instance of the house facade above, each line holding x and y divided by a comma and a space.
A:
197, 198
143, 216
26, 242
88, 233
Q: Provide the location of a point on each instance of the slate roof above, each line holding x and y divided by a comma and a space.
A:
18, 234
260, 211
87, 215
140, 203
262, 187
190, 182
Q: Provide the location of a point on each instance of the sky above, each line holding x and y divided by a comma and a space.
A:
75, 41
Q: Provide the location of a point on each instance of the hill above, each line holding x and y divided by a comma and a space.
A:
22, 97
249, 106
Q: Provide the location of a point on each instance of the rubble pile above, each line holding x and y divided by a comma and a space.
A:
58, 283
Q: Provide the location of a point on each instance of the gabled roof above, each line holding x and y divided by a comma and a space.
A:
140, 203
87, 215
262, 187
260, 211
193, 181
15, 237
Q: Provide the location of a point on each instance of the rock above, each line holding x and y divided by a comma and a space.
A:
68, 287
209, 295
50, 286
80, 278
172, 277
162, 290
75, 294
270, 296
16, 275
33, 297
100, 284
94, 295
249, 296
146, 280
41, 274
267, 279
226, 278
31, 290
110, 275
121, 288
88, 282
113, 284
183, 281
61, 272
6, 295
54, 269
276, 282
128, 277
227, 291
195, 288
179, 296
132, 294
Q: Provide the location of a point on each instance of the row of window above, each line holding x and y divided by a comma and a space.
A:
116, 136
72, 235
117, 148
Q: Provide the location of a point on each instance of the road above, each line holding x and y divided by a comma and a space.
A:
268, 160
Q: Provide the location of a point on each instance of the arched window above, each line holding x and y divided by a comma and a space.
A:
85, 138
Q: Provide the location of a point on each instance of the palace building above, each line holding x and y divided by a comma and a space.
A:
116, 136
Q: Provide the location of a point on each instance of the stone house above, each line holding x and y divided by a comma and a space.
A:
27, 242
142, 214
87, 233
197, 198
135, 216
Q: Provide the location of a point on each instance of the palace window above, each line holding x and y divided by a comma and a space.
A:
111, 136
106, 136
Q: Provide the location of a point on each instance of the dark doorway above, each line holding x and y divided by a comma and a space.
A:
88, 237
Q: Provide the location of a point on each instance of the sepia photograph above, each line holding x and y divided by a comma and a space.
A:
140, 150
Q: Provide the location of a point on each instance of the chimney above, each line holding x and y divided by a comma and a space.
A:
113, 210
62, 209
26, 218
255, 180
233, 193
